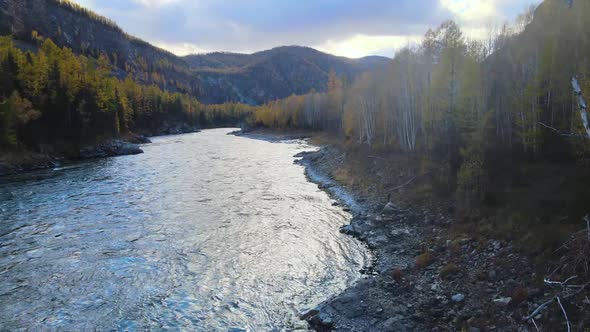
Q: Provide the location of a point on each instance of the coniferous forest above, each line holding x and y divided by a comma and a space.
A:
53, 97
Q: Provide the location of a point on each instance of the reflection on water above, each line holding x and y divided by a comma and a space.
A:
202, 232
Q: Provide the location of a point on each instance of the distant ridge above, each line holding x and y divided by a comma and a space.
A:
212, 78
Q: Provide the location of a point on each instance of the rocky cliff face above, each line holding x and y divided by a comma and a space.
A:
212, 78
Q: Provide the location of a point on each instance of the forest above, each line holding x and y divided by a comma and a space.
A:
474, 107
53, 98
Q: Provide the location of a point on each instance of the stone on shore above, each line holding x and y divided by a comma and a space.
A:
389, 210
110, 149
458, 298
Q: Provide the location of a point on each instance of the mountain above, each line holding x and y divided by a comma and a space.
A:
324, 62
275, 73
212, 78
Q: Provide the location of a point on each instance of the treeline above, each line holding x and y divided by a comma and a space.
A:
53, 97
164, 72
470, 104
76, 8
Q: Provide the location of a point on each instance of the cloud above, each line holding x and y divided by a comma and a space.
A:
362, 45
155, 3
344, 27
475, 17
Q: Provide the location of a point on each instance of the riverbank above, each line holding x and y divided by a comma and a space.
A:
18, 160
274, 134
430, 273
426, 278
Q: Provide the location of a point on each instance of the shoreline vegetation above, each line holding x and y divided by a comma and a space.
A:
57, 105
16, 161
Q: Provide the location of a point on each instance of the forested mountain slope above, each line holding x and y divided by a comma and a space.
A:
211, 78
68, 24
268, 75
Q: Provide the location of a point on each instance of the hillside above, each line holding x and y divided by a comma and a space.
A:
224, 61
212, 78
273, 74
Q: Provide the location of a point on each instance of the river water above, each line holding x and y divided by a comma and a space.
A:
203, 232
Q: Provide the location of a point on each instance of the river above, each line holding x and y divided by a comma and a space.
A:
204, 231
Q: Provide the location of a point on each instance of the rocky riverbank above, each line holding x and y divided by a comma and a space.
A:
110, 148
426, 277
272, 134
18, 161
12, 162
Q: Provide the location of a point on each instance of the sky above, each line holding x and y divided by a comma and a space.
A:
351, 28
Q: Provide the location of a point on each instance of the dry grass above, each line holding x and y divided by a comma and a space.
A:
449, 270
423, 260
519, 295
575, 256
397, 274
344, 176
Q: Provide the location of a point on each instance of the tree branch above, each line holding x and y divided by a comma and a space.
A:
560, 283
536, 311
559, 132
569, 325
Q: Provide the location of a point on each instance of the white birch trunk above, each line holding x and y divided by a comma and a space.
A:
582, 107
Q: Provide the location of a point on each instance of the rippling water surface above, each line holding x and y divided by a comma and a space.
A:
202, 232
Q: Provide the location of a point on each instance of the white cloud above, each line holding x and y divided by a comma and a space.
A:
362, 45
155, 3
477, 16
181, 49
467, 11
351, 28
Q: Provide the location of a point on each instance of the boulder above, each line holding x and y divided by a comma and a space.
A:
321, 321
109, 149
394, 324
458, 298
308, 314
349, 230
502, 302
389, 210
138, 139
